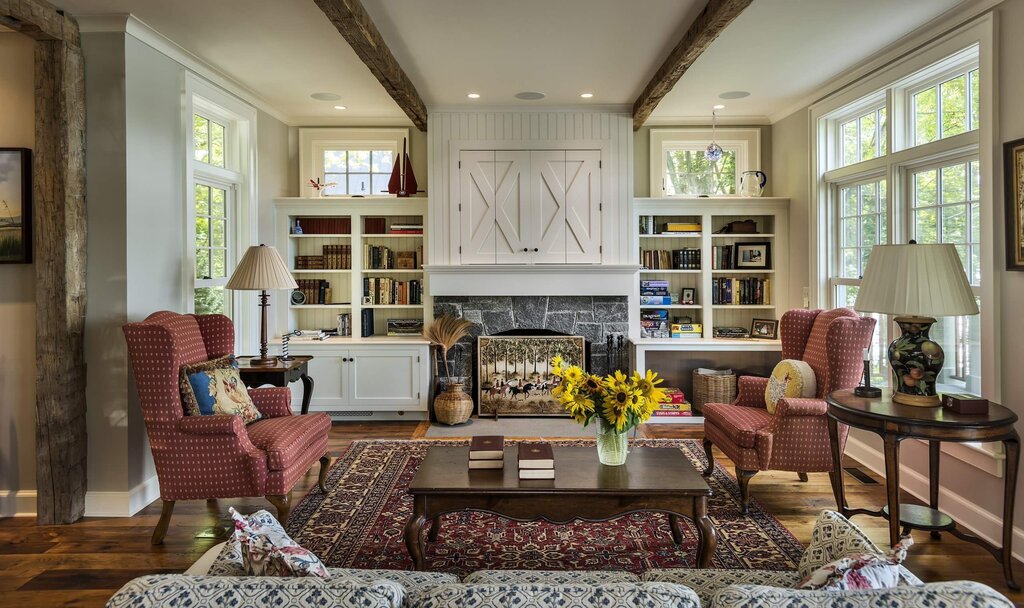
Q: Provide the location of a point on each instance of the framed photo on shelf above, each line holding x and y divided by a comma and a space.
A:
753, 255
15, 206
1013, 159
689, 296
764, 329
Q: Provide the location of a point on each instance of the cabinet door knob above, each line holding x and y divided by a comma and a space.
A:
535, 250
525, 249
344, 359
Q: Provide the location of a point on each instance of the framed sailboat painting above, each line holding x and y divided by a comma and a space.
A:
15, 206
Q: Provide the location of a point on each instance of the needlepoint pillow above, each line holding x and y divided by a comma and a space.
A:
860, 571
267, 550
791, 378
216, 387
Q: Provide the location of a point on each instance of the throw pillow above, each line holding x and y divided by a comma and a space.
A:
267, 550
835, 537
791, 378
864, 571
216, 387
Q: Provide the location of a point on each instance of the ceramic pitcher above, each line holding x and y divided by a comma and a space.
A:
752, 183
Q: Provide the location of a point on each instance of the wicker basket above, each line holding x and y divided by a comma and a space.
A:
453, 406
712, 389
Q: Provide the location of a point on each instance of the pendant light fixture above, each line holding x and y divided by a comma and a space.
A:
713, 153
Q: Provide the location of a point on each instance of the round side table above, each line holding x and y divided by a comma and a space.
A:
894, 423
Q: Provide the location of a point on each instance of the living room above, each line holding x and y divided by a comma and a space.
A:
706, 204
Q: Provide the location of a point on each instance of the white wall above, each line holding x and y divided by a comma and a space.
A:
17, 299
787, 176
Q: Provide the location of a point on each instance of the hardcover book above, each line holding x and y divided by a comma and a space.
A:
487, 464
487, 447
536, 456
536, 473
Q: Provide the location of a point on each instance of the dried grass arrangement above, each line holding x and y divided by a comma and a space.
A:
445, 333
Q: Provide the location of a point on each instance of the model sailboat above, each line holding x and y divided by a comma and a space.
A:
403, 180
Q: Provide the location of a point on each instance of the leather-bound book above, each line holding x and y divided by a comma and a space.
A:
536, 456
487, 447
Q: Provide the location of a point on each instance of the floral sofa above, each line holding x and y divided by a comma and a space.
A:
218, 579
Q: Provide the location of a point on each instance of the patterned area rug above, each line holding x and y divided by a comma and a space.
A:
359, 524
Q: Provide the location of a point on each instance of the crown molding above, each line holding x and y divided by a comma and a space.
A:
705, 121
570, 108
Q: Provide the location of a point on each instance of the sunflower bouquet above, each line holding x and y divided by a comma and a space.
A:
617, 402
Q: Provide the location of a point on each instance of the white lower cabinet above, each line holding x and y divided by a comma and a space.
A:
365, 381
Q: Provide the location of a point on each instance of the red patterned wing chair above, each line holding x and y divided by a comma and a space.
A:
207, 457
794, 438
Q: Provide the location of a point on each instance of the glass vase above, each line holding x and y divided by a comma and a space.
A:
612, 446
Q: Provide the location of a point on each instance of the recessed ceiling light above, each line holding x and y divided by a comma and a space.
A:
530, 95
718, 106
586, 95
473, 95
326, 96
734, 95
340, 107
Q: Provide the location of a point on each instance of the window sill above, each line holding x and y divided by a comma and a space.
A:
980, 456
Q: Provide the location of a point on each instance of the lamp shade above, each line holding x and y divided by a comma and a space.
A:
261, 268
915, 280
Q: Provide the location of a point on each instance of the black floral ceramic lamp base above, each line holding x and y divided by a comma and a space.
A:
915, 361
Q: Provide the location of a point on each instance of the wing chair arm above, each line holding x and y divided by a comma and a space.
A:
801, 407
217, 424
750, 391
272, 402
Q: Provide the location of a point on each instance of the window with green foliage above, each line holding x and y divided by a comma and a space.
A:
946, 109
358, 172
208, 140
863, 137
212, 247
688, 172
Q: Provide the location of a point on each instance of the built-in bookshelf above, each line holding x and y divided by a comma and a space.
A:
357, 257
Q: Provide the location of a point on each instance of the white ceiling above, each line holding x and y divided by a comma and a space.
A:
284, 50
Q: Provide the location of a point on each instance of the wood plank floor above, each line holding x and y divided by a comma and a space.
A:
83, 564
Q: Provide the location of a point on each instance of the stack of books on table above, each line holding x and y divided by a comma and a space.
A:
536, 461
487, 452
675, 409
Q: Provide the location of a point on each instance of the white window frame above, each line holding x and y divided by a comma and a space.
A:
237, 177
745, 142
906, 72
313, 142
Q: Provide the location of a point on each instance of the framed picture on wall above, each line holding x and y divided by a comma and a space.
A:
1013, 159
15, 206
764, 329
753, 255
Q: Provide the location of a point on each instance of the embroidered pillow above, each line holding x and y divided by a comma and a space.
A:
791, 378
863, 571
215, 387
267, 550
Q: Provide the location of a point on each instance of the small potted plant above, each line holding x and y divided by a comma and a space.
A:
453, 406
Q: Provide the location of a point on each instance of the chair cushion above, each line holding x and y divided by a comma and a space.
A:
215, 387
790, 378
285, 439
740, 424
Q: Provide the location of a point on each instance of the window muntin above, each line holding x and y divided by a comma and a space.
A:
863, 218
212, 247
863, 137
357, 171
208, 143
689, 173
947, 108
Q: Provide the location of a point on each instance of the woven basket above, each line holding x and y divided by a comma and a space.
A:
453, 406
712, 389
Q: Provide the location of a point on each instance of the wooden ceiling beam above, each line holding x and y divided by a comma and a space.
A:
39, 20
355, 25
717, 14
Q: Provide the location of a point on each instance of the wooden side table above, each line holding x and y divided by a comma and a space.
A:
894, 423
281, 373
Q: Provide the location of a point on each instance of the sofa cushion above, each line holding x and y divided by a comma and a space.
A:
834, 537
636, 595
174, 590
705, 582
286, 438
267, 550
740, 424
953, 594
549, 577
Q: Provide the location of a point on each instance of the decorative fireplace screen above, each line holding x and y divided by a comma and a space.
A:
514, 373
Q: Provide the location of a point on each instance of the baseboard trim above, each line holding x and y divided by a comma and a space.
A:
122, 504
968, 515
17, 503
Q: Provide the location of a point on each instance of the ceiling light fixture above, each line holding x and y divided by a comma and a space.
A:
714, 151
326, 96
734, 95
473, 95
586, 95
340, 107
529, 95
718, 106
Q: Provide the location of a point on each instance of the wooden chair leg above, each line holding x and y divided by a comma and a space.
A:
165, 520
711, 458
743, 477
803, 476
283, 504
325, 465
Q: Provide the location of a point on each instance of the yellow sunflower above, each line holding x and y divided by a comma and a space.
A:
580, 407
573, 375
616, 406
648, 387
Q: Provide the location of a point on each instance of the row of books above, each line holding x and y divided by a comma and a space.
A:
334, 257
736, 291
379, 226
322, 225
649, 224
385, 290
405, 327
677, 259
317, 291
675, 406
406, 229
344, 324
379, 257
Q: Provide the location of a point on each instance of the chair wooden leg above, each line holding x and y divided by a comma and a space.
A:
165, 520
283, 504
711, 458
325, 465
743, 477
803, 476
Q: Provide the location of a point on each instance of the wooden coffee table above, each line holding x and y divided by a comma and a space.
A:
653, 479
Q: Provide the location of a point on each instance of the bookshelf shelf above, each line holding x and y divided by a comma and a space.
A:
319, 236
392, 236
671, 271
742, 271
319, 306
767, 235
672, 306
325, 271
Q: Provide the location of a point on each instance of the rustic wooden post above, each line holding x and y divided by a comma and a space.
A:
59, 235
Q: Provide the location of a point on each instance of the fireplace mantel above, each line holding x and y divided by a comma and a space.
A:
532, 280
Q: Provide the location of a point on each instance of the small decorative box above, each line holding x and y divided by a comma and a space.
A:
965, 404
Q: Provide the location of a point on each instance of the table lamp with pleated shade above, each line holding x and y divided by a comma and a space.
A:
262, 269
915, 283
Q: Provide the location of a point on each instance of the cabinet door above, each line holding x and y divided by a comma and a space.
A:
547, 181
330, 390
513, 225
385, 378
477, 190
583, 206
